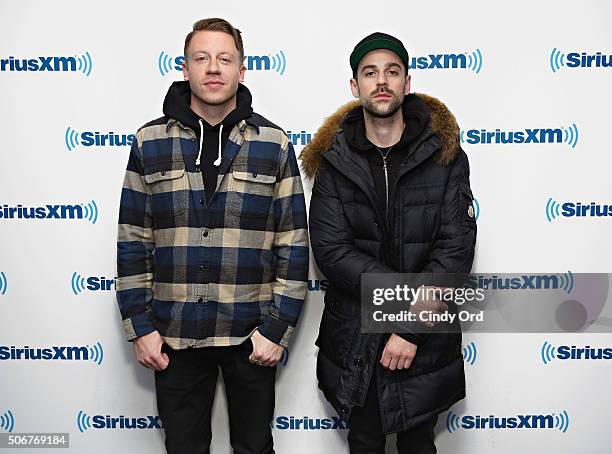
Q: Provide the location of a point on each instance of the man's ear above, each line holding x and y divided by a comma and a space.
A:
407, 85
354, 88
185, 70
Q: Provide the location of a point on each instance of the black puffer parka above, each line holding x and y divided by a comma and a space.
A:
432, 229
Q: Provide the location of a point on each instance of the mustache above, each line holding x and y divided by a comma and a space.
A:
387, 91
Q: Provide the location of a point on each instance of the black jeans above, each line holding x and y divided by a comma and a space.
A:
186, 391
365, 434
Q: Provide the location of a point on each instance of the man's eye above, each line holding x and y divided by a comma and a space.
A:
369, 73
225, 60
393, 72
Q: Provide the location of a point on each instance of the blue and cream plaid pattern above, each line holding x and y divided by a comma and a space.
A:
209, 274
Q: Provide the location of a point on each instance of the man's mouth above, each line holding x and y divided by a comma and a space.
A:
382, 95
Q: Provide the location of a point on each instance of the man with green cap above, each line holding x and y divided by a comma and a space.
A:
391, 194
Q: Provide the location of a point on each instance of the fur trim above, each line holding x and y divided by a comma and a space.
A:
441, 121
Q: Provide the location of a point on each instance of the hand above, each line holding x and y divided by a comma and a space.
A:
428, 303
148, 351
265, 352
398, 353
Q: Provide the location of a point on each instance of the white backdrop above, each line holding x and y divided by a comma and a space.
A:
519, 74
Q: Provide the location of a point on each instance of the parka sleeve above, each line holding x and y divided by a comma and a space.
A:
454, 246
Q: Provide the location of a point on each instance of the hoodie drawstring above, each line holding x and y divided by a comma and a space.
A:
218, 160
201, 142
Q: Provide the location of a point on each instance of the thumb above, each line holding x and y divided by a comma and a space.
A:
165, 360
161, 361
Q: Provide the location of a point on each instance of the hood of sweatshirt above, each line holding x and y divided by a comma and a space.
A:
177, 105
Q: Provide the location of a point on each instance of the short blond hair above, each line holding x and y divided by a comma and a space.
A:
216, 24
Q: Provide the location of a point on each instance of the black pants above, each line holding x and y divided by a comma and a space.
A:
365, 434
186, 391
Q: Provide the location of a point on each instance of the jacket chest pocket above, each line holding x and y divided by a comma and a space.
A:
250, 193
168, 192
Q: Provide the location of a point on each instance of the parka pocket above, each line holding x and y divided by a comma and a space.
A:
467, 206
337, 333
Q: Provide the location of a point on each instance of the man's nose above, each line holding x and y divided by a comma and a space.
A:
381, 80
213, 67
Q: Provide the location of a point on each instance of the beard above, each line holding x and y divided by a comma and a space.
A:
382, 111
217, 99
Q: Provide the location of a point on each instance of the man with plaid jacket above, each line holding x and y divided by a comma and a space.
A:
212, 250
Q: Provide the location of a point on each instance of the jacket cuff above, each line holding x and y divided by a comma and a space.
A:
137, 326
276, 331
416, 339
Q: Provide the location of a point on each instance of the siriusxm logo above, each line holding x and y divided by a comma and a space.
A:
7, 421
299, 139
491, 422
308, 423
469, 353
86, 211
93, 353
73, 139
558, 60
85, 422
317, 285
465, 60
564, 282
567, 135
82, 64
276, 62
79, 283
3, 283
549, 352
556, 210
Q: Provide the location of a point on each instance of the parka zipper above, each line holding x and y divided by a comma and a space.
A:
384, 158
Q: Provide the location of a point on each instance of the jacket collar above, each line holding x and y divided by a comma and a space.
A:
442, 123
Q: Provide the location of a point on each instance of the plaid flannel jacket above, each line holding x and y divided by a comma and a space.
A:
210, 274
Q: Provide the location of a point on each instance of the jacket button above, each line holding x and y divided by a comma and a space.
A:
202, 267
163, 172
205, 234
201, 201
192, 139
358, 362
200, 300
254, 175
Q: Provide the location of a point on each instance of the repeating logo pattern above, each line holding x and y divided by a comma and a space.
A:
3, 283
568, 135
470, 353
553, 421
472, 60
550, 352
559, 60
556, 210
7, 421
85, 422
87, 211
78, 63
274, 62
79, 283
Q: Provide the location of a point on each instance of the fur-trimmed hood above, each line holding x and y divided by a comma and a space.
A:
441, 122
